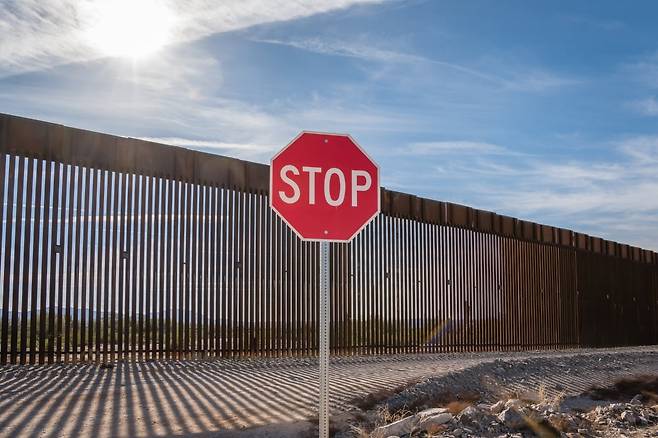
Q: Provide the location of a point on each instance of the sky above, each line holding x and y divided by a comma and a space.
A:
546, 110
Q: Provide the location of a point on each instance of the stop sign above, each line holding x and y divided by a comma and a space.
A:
324, 186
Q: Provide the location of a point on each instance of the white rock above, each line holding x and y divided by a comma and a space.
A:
469, 411
404, 426
431, 423
424, 419
498, 407
430, 413
511, 418
514, 403
637, 400
628, 417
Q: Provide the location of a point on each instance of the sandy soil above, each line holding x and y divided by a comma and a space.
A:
249, 397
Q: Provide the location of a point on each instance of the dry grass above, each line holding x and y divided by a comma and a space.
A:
557, 400
359, 432
445, 398
456, 406
546, 399
384, 416
542, 393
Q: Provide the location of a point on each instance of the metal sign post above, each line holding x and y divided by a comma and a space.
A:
324, 340
326, 188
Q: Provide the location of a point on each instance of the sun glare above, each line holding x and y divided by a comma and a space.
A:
130, 28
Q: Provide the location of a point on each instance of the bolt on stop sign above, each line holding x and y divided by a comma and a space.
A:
324, 186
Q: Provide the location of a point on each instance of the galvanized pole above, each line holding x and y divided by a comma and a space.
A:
324, 340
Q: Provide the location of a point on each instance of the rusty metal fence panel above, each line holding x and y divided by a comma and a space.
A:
115, 248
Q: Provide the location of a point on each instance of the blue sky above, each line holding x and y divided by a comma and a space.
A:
546, 111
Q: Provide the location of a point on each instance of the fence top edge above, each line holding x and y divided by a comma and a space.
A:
56, 142
74, 146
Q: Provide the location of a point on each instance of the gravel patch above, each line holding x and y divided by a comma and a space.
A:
549, 396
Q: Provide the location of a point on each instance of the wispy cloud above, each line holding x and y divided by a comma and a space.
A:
341, 48
597, 23
551, 189
244, 150
643, 150
370, 52
647, 107
643, 70
41, 34
531, 79
451, 147
537, 80
179, 98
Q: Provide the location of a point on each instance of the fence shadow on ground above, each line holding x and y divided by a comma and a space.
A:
167, 398
219, 398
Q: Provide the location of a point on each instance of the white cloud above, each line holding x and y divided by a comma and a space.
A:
643, 150
451, 147
615, 197
341, 48
521, 79
537, 80
366, 51
41, 34
647, 107
244, 150
644, 70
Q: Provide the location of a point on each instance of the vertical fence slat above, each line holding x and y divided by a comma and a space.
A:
169, 306
117, 200
18, 247
194, 274
160, 253
103, 250
68, 254
26, 247
63, 176
77, 247
213, 290
83, 223
175, 279
266, 277
124, 270
205, 265
5, 204
129, 284
36, 309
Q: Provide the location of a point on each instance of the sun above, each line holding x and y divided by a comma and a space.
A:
129, 28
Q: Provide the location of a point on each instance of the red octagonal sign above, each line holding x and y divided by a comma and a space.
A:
324, 186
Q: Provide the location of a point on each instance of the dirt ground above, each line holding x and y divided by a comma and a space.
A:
249, 397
